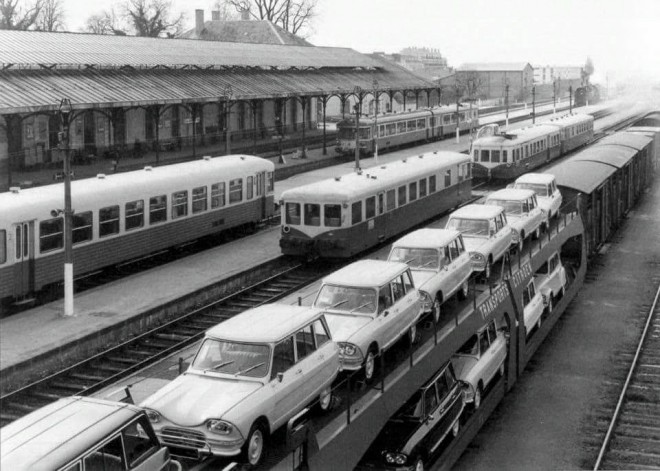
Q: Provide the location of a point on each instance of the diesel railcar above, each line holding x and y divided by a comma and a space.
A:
400, 129
126, 216
339, 217
506, 155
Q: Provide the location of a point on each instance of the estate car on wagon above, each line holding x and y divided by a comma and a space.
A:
522, 213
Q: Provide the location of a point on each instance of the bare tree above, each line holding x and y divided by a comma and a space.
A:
51, 17
21, 17
153, 18
292, 15
226, 11
106, 22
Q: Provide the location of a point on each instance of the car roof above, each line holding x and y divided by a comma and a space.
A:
264, 324
427, 238
535, 178
477, 211
366, 273
53, 435
510, 194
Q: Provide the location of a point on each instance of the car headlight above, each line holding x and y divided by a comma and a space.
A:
515, 236
425, 299
350, 350
468, 392
477, 257
219, 426
396, 458
154, 416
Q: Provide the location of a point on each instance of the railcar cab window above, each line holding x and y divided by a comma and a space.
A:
51, 234
134, 215
356, 212
108, 221
157, 209
217, 195
199, 200
235, 190
332, 215
179, 204
82, 227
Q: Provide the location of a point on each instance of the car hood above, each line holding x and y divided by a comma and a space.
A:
343, 327
420, 277
191, 399
517, 222
393, 438
473, 243
463, 364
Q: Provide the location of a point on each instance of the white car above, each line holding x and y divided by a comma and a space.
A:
479, 360
369, 305
439, 263
545, 187
522, 213
551, 280
251, 374
533, 306
486, 234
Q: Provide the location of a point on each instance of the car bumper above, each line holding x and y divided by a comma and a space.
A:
201, 445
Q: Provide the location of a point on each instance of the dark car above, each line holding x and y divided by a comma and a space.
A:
414, 434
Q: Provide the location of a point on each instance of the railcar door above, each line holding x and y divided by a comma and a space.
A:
261, 193
24, 254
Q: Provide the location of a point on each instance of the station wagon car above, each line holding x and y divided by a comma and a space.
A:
479, 360
413, 435
369, 305
551, 280
251, 374
77, 433
533, 306
486, 234
439, 263
544, 185
522, 213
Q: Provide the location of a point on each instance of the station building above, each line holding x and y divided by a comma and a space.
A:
131, 94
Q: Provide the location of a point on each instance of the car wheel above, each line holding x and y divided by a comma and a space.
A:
419, 465
456, 427
255, 445
464, 291
435, 310
325, 399
370, 366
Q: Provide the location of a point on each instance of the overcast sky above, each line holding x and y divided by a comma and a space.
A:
621, 36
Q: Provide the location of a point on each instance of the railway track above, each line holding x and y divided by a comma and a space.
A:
632, 440
105, 368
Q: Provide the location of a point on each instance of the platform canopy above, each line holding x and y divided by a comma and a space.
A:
38, 69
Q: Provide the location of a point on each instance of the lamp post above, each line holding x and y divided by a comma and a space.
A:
570, 99
533, 104
65, 115
358, 95
278, 127
375, 84
228, 94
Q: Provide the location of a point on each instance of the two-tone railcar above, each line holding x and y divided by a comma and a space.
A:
126, 216
605, 180
340, 217
401, 129
506, 155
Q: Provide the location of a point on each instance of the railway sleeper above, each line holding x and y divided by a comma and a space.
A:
257, 299
143, 354
48, 396
87, 376
156, 343
69, 386
196, 327
25, 408
172, 337
124, 360
635, 457
110, 368
7, 417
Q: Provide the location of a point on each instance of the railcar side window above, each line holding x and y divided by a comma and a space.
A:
495, 156
447, 178
250, 187
402, 195
401, 127
332, 215
199, 201
421, 123
312, 214
391, 199
179, 204
217, 195
3, 246
134, 215
356, 212
370, 207
82, 227
412, 189
446, 118
235, 190
422, 188
381, 203
259, 183
485, 155
157, 209
293, 213
51, 234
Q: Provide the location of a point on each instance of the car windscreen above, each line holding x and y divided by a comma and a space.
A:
347, 299
539, 188
415, 258
509, 206
471, 347
475, 227
412, 409
240, 359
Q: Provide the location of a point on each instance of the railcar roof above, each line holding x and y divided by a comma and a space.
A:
510, 194
266, 323
477, 211
48, 437
419, 113
520, 136
544, 178
634, 141
570, 120
94, 192
427, 238
366, 273
375, 179
581, 175
615, 155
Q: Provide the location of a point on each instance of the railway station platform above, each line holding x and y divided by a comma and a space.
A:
43, 335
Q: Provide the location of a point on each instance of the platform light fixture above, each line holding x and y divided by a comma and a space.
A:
65, 110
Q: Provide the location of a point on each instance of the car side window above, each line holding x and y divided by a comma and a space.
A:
384, 298
407, 281
430, 400
526, 296
526, 206
108, 457
453, 249
398, 291
305, 342
492, 332
445, 257
442, 386
139, 442
73, 467
492, 227
320, 333
283, 357
532, 290
483, 342
459, 243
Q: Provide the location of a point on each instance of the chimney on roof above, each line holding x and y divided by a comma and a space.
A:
199, 22
215, 15
245, 14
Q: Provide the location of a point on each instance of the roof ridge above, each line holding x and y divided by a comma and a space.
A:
277, 33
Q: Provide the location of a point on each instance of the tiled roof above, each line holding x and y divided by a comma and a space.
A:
494, 66
244, 31
36, 49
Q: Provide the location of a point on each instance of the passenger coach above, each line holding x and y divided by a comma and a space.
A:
126, 216
339, 217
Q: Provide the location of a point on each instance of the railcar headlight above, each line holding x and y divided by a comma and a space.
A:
154, 417
219, 426
396, 458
